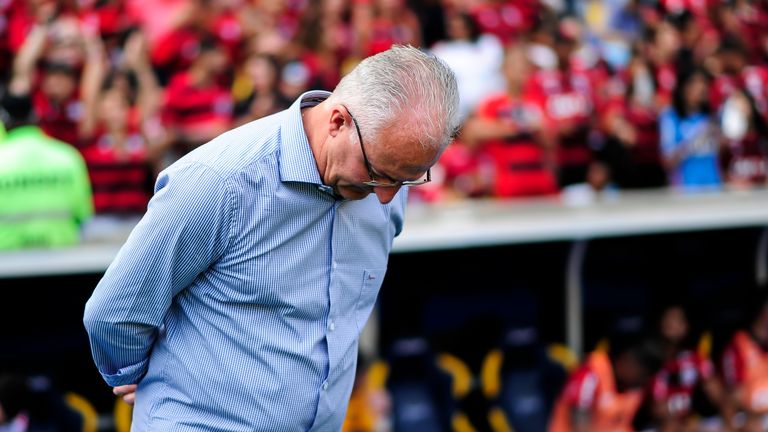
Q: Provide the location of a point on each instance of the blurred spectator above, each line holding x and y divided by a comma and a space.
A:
269, 26
745, 368
324, 43
55, 93
566, 97
739, 96
734, 72
631, 122
464, 174
33, 405
294, 79
598, 186
123, 140
745, 21
599, 79
474, 57
689, 137
24, 16
223, 20
162, 18
431, 15
614, 17
605, 393
172, 28
44, 183
685, 371
744, 158
699, 39
111, 20
58, 104
507, 20
507, 128
661, 47
257, 91
381, 23
197, 106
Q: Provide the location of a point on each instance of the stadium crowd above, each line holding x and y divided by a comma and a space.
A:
558, 98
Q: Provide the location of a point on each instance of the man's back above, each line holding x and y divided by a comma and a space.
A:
44, 189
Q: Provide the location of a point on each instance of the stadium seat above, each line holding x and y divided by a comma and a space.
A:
421, 391
521, 380
88, 414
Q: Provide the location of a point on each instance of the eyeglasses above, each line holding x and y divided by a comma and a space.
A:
375, 183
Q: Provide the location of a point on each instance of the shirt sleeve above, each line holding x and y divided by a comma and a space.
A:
186, 228
581, 390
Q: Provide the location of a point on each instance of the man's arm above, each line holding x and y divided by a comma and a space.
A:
580, 395
186, 228
26, 60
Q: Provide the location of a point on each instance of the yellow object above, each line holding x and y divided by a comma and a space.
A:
595, 16
460, 423
242, 87
360, 417
563, 355
498, 420
122, 415
462, 377
705, 345
378, 373
85, 409
490, 374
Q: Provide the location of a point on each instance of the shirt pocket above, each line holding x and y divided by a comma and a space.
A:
372, 279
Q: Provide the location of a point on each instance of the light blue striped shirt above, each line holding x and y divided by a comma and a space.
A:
237, 301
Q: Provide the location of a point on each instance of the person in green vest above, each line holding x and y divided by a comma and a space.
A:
45, 194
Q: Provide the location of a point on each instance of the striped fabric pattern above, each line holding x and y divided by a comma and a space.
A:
237, 301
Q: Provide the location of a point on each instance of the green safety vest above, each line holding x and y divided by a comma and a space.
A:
45, 194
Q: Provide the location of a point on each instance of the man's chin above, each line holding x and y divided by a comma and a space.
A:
351, 192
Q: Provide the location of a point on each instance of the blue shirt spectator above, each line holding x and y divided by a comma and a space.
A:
689, 138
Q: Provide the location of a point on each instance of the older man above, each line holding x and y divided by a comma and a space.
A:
238, 300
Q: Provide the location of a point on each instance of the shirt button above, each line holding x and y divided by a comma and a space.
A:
335, 264
331, 326
325, 385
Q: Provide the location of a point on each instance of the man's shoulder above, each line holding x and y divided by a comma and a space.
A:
241, 149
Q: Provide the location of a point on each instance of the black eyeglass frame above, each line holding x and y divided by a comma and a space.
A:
375, 183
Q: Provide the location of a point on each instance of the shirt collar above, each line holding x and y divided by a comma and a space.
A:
297, 163
24, 131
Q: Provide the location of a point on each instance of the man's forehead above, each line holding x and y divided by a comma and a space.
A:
404, 157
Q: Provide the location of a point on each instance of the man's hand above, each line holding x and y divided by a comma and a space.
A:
128, 392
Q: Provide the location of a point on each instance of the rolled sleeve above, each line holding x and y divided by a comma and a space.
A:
186, 228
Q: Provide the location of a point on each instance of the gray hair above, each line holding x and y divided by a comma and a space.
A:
403, 87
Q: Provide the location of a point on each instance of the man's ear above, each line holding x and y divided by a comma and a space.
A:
337, 120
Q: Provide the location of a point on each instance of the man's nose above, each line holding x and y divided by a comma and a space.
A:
386, 194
